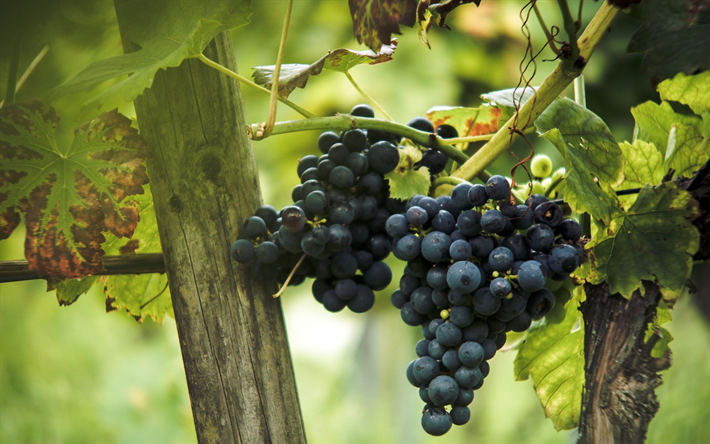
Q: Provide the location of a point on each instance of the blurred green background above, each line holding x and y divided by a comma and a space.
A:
76, 374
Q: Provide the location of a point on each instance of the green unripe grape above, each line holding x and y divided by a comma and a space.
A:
541, 166
546, 183
559, 174
536, 189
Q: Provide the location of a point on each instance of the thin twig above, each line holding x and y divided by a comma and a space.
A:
550, 37
290, 276
571, 29
367, 97
271, 117
234, 75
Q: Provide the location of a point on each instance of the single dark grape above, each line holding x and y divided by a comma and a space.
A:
570, 230
531, 277
410, 316
497, 187
444, 222
446, 132
463, 277
465, 396
345, 289
540, 237
476, 332
342, 177
460, 198
410, 375
540, 303
397, 226
468, 376
355, 140
448, 334
443, 390
421, 124
326, 140
309, 174
425, 369
422, 347
456, 298
435, 246
254, 227
484, 303
436, 421
460, 250
409, 246
305, 162
493, 221
482, 245
436, 278
422, 301
293, 219
431, 206
564, 259
460, 415
408, 283
500, 287
340, 238
461, 315
417, 216
549, 213
344, 265
267, 252
435, 160
371, 183
524, 217
471, 354
378, 276
501, 259
436, 349
268, 214
363, 300
317, 202
477, 195
332, 302
243, 251
383, 157
398, 299
363, 110
451, 359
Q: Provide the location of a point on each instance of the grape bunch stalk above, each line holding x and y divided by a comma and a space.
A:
477, 266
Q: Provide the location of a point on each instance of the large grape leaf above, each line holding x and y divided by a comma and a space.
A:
137, 294
593, 159
467, 121
406, 180
374, 21
678, 136
653, 240
674, 36
69, 195
552, 353
168, 32
693, 91
295, 75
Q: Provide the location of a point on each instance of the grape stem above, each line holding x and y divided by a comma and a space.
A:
553, 185
271, 117
367, 96
244, 80
290, 276
550, 37
344, 122
550, 89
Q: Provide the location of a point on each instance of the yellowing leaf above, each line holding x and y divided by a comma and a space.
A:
69, 195
552, 353
294, 75
693, 91
467, 121
406, 181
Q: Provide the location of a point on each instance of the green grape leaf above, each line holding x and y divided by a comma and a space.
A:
137, 294
654, 240
679, 136
674, 37
552, 353
593, 160
429, 13
508, 99
644, 164
467, 121
374, 21
296, 75
168, 32
69, 290
693, 91
70, 195
406, 181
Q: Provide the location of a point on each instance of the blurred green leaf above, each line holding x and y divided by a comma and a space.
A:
168, 32
552, 353
374, 21
429, 12
654, 240
507, 99
678, 136
296, 75
137, 293
405, 181
693, 91
590, 152
674, 37
467, 121
69, 290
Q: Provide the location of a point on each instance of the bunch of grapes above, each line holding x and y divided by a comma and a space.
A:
477, 266
335, 229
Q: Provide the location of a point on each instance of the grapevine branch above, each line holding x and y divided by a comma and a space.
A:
550, 89
271, 118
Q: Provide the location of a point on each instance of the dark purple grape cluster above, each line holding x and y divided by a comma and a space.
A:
335, 229
477, 266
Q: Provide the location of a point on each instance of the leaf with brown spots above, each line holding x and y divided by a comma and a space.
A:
374, 21
71, 194
467, 121
296, 75
429, 12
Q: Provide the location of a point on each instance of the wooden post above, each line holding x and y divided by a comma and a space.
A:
205, 184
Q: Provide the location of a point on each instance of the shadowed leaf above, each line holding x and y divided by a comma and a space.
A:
674, 36
374, 21
654, 240
406, 181
552, 353
295, 75
69, 195
168, 32
590, 153
467, 121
